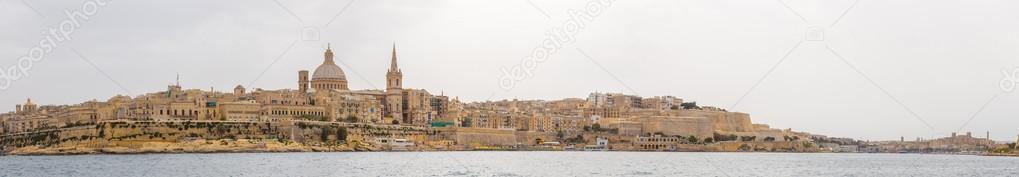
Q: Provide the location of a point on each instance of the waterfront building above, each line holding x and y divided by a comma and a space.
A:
966, 141
657, 142
241, 110
323, 95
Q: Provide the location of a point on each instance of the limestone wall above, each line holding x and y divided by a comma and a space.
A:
684, 126
135, 134
724, 121
530, 137
482, 136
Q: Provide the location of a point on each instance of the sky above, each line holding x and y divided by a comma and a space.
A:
871, 70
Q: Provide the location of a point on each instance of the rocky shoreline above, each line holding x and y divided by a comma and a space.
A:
204, 148
198, 146
1002, 154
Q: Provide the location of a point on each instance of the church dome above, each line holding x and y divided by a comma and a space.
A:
328, 71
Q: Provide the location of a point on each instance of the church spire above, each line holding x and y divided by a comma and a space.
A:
394, 76
393, 67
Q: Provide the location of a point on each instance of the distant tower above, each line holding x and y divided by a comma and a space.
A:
394, 92
988, 135
173, 90
28, 107
18, 109
394, 76
302, 81
239, 90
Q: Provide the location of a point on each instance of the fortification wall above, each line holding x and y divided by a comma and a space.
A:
683, 126
481, 136
146, 134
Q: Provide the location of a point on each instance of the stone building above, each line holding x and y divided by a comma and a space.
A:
327, 76
241, 110
324, 95
657, 143
394, 92
29, 116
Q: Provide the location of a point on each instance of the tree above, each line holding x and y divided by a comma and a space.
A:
690, 105
578, 139
709, 140
324, 136
692, 139
396, 122
341, 134
721, 137
769, 139
466, 122
744, 147
596, 127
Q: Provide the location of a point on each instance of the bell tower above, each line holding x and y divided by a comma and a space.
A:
302, 81
394, 76
394, 102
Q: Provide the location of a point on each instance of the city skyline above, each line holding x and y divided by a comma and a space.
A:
821, 96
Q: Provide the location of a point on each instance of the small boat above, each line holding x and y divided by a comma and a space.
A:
595, 148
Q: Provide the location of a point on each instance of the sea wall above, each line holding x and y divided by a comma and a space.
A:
181, 136
481, 136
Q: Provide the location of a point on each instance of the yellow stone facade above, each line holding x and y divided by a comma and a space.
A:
322, 95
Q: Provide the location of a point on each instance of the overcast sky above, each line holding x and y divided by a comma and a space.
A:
876, 70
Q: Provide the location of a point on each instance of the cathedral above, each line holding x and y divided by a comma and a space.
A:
328, 76
398, 105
